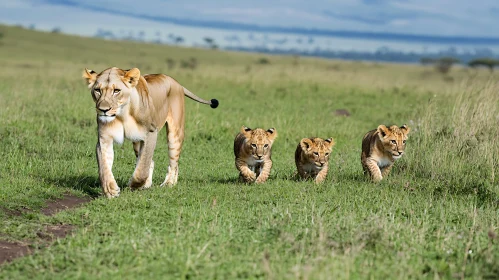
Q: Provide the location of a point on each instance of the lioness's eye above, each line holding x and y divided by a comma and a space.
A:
97, 90
116, 91
266, 145
253, 145
393, 141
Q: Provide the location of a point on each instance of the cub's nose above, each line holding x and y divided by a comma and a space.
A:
259, 157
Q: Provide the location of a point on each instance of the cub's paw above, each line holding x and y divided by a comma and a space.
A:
260, 180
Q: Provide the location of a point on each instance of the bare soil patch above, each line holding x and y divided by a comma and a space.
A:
64, 203
12, 250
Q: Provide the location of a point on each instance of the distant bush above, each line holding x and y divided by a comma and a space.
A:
192, 63
485, 62
56, 30
170, 63
263, 60
442, 65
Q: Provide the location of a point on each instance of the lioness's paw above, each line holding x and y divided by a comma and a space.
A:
112, 190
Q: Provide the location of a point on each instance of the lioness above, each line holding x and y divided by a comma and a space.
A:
136, 107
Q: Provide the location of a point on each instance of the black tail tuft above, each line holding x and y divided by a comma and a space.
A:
214, 103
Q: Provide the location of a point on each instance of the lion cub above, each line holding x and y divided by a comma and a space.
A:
252, 148
312, 158
380, 148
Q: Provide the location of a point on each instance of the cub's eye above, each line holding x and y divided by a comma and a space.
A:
253, 145
327, 154
316, 153
393, 142
116, 91
266, 146
404, 141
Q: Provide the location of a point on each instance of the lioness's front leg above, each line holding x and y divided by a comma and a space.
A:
105, 157
264, 175
142, 176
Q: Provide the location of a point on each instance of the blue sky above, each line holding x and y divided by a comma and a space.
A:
463, 18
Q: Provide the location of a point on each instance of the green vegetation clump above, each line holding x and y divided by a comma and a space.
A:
485, 62
435, 215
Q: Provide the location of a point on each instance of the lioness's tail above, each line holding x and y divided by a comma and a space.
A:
213, 103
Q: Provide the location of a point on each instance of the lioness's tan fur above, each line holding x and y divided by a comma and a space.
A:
253, 149
136, 107
380, 148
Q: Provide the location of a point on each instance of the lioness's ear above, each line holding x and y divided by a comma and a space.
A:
405, 129
330, 141
383, 130
246, 131
305, 144
89, 76
271, 133
131, 77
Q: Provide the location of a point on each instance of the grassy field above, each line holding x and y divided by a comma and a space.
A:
436, 216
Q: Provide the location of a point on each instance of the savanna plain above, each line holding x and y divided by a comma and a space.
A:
435, 216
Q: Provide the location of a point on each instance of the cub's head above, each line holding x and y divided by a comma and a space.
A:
317, 150
258, 141
111, 90
393, 139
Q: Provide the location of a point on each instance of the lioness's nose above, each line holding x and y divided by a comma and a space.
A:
104, 110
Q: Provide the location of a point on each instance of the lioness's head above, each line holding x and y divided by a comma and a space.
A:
258, 141
393, 139
317, 150
111, 90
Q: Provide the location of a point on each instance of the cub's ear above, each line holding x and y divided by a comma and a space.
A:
271, 133
405, 129
305, 144
131, 77
90, 76
383, 130
331, 142
246, 131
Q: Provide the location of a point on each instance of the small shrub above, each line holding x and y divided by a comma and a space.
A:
263, 61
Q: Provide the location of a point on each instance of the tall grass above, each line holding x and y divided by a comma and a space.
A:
457, 142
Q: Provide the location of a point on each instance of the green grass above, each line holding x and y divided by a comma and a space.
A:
431, 218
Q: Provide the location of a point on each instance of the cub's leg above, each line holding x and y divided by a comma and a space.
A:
321, 175
137, 146
105, 157
245, 173
373, 169
301, 172
264, 174
386, 170
142, 176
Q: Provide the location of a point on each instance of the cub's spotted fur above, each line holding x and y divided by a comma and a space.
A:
312, 158
380, 148
252, 149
